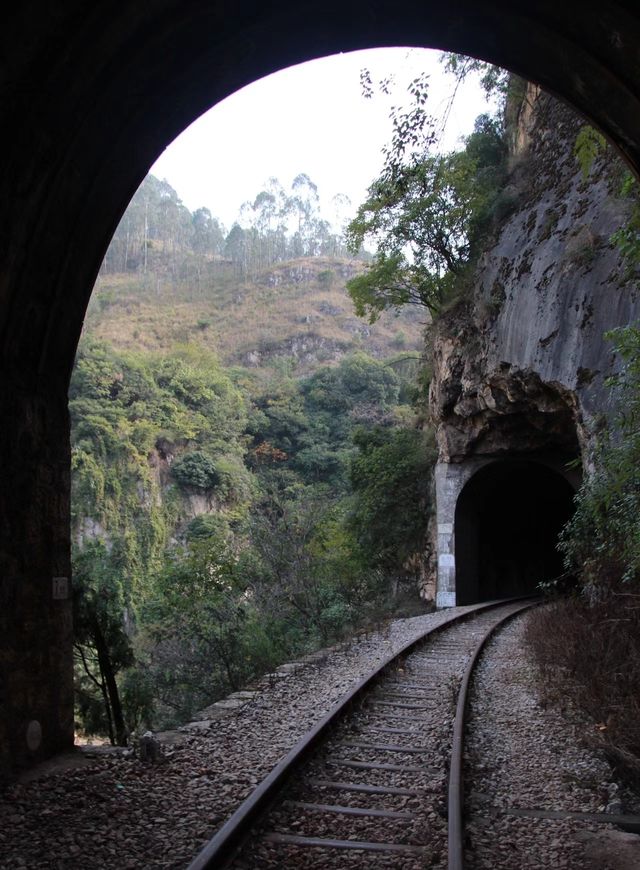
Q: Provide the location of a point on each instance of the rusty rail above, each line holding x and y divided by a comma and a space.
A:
455, 823
224, 845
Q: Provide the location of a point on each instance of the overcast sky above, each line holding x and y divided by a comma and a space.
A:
308, 118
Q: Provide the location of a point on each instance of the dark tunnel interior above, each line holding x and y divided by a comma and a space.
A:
508, 518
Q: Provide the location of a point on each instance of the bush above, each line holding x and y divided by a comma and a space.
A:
602, 542
196, 469
236, 484
208, 526
326, 278
590, 653
390, 476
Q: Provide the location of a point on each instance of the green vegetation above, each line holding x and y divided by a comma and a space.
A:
627, 237
220, 524
131, 413
237, 502
391, 481
602, 542
590, 145
589, 642
428, 213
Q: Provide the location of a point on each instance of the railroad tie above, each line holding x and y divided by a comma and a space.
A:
385, 747
364, 845
352, 811
376, 765
364, 788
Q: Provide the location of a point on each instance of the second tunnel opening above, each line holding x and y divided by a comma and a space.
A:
508, 519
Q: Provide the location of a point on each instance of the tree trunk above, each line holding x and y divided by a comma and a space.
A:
106, 668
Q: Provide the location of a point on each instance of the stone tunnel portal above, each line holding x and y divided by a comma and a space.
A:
507, 521
131, 78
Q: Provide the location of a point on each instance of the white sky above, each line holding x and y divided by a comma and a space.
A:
308, 118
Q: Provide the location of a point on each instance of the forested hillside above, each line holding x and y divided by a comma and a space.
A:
252, 295
240, 440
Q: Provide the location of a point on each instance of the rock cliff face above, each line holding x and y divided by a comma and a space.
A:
520, 364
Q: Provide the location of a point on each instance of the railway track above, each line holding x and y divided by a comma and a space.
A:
378, 781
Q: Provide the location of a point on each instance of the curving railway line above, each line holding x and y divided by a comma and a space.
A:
378, 781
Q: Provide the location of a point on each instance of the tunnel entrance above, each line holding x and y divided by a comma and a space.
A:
508, 518
151, 70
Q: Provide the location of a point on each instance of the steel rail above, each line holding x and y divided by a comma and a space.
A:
225, 843
455, 825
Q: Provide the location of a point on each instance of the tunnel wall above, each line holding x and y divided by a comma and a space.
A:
450, 478
36, 668
90, 95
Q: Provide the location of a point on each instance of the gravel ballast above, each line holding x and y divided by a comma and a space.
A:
425, 716
523, 755
124, 813
130, 814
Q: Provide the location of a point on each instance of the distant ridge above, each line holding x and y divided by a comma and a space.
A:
298, 310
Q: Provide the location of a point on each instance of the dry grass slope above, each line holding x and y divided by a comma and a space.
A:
299, 311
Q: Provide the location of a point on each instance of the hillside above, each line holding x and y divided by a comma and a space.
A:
296, 311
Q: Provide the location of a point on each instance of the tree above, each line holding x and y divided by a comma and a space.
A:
196, 469
289, 578
208, 236
198, 625
235, 247
426, 218
390, 476
102, 646
305, 202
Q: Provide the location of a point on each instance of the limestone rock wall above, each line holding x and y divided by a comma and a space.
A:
521, 363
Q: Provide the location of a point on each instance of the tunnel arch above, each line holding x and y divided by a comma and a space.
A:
89, 97
129, 82
507, 520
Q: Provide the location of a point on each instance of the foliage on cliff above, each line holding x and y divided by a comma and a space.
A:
427, 218
602, 542
216, 528
428, 213
589, 643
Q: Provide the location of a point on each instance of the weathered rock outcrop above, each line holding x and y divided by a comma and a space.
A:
521, 362
520, 365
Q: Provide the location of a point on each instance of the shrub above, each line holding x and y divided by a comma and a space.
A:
325, 278
235, 481
208, 526
602, 541
590, 653
390, 476
195, 469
